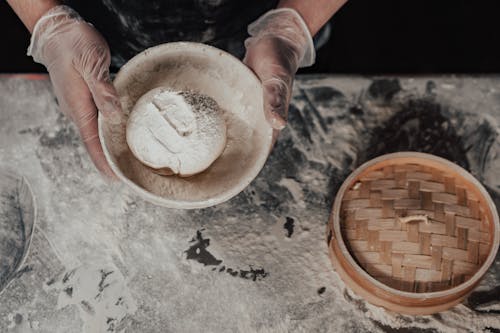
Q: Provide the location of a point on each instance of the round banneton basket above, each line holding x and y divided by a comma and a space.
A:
412, 232
186, 66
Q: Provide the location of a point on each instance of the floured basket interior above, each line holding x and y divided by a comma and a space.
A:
227, 139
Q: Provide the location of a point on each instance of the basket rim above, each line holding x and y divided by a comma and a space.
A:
446, 163
221, 197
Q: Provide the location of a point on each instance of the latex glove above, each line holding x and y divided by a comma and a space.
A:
77, 58
279, 44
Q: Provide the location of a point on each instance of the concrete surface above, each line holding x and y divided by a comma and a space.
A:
102, 259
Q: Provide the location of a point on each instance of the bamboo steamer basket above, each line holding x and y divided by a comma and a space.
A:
412, 232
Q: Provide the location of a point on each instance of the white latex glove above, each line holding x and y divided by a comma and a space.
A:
77, 58
279, 44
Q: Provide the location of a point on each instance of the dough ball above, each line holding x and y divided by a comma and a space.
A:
176, 132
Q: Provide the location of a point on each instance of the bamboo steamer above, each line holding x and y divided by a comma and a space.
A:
412, 232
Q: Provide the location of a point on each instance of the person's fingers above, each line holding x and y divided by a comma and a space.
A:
76, 101
105, 97
276, 133
90, 138
276, 94
95, 71
270, 61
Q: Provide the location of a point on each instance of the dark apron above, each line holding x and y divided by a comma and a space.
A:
130, 26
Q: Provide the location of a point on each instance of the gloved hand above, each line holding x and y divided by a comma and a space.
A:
279, 44
77, 58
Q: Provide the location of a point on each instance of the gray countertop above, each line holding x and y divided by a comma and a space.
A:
102, 259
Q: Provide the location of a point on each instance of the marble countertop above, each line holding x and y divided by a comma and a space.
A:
103, 260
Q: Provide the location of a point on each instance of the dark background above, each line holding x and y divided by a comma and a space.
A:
367, 37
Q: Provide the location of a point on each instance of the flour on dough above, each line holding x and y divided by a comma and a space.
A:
176, 132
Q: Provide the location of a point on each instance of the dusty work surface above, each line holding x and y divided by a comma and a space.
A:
104, 260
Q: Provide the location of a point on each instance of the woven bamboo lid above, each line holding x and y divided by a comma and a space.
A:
412, 232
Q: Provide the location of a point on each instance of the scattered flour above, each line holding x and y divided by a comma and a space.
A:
83, 216
100, 293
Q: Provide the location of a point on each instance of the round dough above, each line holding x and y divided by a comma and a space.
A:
176, 132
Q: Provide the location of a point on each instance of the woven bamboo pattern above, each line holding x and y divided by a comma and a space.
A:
415, 228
